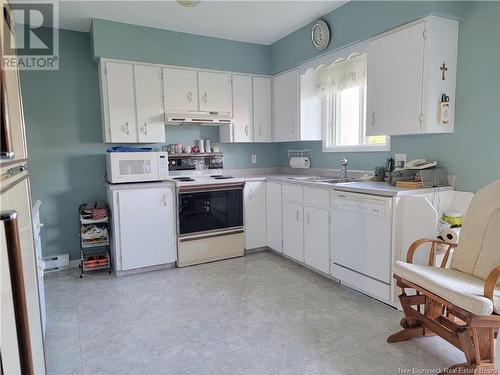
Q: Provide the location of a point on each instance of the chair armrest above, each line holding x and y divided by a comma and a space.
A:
432, 254
490, 284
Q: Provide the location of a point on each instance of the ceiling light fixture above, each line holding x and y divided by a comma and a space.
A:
189, 3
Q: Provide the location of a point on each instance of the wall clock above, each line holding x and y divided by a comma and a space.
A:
320, 35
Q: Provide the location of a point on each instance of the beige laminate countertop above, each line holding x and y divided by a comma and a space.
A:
365, 187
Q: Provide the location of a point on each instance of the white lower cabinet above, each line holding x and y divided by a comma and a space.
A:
293, 230
274, 216
255, 214
143, 227
306, 226
317, 238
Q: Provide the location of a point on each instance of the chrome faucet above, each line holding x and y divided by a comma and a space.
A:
343, 168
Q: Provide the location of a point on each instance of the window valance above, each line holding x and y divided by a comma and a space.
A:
342, 74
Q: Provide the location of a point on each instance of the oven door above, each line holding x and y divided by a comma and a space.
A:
210, 208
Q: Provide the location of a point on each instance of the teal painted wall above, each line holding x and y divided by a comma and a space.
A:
139, 43
472, 152
63, 123
62, 108
66, 153
356, 21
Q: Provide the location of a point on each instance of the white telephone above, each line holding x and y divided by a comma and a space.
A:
420, 164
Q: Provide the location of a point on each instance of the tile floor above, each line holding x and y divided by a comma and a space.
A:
260, 314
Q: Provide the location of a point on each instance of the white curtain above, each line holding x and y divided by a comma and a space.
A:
341, 75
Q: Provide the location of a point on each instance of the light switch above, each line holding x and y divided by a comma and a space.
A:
254, 159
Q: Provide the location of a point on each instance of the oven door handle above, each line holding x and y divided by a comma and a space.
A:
209, 188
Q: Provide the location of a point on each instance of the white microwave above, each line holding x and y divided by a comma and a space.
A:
124, 167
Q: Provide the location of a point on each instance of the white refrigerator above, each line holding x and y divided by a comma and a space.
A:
21, 337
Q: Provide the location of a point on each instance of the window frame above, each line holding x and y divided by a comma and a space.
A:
330, 130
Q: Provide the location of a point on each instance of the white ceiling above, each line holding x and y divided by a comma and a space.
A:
262, 22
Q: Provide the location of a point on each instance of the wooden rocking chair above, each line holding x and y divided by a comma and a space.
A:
461, 304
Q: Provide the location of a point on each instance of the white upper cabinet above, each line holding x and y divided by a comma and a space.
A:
405, 78
286, 106
242, 109
119, 102
180, 87
150, 116
262, 109
132, 108
215, 93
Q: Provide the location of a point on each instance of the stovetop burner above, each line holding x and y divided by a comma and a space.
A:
219, 177
184, 179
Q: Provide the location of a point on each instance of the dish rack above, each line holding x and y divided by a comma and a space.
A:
94, 237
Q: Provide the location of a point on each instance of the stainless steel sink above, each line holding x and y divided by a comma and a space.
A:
323, 179
338, 180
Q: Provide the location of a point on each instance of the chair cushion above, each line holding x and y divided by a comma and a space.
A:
461, 289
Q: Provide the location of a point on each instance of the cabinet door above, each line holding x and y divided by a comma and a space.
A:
255, 214
242, 109
262, 114
180, 87
394, 82
147, 227
286, 107
215, 92
274, 216
317, 238
148, 95
293, 230
121, 119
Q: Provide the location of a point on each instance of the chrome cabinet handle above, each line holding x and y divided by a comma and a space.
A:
205, 98
189, 97
246, 129
39, 226
373, 118
251, 194
297, 216
145, 128
165, 199
260, 130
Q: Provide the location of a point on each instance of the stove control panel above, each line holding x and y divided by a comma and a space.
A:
193, 162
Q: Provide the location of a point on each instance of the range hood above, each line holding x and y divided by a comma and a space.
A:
200, 118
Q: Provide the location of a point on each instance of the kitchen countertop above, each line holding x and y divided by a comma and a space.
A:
365, 187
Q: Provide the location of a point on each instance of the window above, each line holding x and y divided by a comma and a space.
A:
343, 87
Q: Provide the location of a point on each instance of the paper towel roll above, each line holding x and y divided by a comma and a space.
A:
450, 235
300, 162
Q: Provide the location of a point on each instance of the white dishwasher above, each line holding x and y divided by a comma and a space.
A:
361, 251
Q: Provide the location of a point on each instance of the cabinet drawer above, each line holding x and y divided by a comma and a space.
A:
317, 197
293, 193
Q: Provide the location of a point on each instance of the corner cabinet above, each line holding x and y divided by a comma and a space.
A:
262, 109
252, 111
297, 107
286, 106
409, 70
131, 99
143, 227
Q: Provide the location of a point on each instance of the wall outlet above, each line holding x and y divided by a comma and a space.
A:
254, 159
399, 157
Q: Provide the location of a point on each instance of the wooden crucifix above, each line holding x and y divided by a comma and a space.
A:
443, 70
